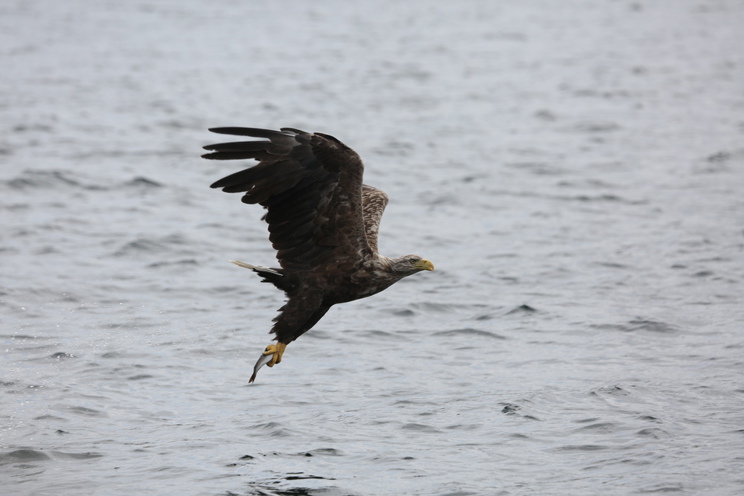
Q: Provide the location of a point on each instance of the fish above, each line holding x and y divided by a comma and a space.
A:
262, 360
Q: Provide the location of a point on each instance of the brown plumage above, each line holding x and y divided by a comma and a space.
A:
322, 220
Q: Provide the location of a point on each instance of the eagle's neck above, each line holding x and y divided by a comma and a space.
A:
383, 266
387, 270
378, 273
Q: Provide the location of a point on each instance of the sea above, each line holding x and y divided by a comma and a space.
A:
573, 169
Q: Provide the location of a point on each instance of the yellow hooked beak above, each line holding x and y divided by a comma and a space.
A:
424, 265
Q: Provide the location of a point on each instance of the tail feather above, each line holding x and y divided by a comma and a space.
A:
257, 268
286, 284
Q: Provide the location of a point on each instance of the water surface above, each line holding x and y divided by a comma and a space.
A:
574, 170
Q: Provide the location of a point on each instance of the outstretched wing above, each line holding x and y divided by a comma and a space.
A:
311, 186
374, 202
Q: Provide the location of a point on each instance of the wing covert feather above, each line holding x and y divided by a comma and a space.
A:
374, 202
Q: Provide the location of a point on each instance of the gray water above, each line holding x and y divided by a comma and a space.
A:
574, 169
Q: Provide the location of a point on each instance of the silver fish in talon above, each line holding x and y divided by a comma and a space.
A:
271, 356
262, 360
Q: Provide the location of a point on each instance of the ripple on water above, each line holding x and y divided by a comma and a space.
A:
23, 456
640, 325
594, 247
522, 310
653, 433
580, 447
600, 427
81, 411
380, 335
514, 409
49, 179
61, 355
469, 332
416, 427
76, 456
141, 183
272, 429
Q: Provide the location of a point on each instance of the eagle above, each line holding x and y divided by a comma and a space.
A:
323, 223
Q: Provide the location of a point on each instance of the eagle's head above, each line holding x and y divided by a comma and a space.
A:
410, 264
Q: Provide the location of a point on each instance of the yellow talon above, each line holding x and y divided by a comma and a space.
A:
277, 350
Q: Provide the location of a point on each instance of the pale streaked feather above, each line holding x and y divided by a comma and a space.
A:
257, 268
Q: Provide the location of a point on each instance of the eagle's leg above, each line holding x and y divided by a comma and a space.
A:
277, 350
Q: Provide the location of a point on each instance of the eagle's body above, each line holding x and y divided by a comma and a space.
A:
323, 222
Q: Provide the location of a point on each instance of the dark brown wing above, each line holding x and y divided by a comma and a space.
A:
311, 185
374, 202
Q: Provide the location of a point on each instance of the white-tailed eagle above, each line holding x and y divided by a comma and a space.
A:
323, 222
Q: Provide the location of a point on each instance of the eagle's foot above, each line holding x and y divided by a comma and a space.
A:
271, 356
277, 350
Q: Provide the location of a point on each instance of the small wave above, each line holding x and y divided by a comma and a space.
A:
426, 306
83, 411
582, 447
273, 429
469, 331
664, 488
269, 488
324, 452
395, 149
174, 263
400, 312
650, 418
61, 355
719, 162
47, 417
651, 326
76, 456
25, 128
592, 127
612, 265
654, 433
381, 335
597, 198
610, 391
636, 325
537, 168
603, 427
521, 309
48, 179
18, 337
140, 245
170, 242
23, 455
302, 476
420, 428
464, 427
139, 377
140, 182
154, 245
514, 409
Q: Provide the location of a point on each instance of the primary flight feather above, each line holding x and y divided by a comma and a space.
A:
322, 220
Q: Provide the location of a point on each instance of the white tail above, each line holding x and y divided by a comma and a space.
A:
257, 268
